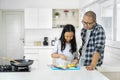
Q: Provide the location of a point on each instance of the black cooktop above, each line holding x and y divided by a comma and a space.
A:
10, 68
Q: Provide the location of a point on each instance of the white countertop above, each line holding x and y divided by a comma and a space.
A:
45, 73
108, 68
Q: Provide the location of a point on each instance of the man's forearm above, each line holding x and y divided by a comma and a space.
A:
95, 59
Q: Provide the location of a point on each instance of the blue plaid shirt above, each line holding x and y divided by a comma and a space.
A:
96, 43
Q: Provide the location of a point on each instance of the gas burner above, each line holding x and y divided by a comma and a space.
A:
10, 68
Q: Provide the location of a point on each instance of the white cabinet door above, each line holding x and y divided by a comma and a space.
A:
45, 57
41, 57
45, 18
37, 18
32, 54
31, 18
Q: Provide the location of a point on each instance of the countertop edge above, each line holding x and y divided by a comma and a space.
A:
38, 47
108, 69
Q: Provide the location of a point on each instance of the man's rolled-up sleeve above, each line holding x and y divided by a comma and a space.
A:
100, 40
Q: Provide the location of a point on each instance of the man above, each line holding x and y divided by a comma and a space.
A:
93, 42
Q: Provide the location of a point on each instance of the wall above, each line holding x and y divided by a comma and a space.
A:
39, 34
118, 23
84, 3
97, 9
0, 35
21, 4
1, 38
112, 56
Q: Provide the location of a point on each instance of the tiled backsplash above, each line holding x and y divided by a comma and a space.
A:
38, 35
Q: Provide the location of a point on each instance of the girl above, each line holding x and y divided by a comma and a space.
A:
65, 50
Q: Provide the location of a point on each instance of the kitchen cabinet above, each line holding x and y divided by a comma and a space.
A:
31, 18
38, 18
45, 18
45, 57
40, 55
34, 55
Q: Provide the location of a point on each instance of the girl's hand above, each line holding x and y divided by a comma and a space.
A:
62, 56
75, 61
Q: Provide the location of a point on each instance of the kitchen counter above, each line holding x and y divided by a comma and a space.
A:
45, 73
38, 47
109, 68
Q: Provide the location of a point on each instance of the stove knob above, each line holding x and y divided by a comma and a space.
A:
9, 68
0, 69
4, 68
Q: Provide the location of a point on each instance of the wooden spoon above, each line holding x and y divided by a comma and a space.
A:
9, 59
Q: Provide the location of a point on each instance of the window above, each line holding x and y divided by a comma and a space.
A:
107, 18
93, 7
108, 15
118, 21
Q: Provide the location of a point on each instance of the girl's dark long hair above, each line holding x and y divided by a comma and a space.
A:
68, 28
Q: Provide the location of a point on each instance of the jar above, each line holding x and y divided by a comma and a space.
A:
37, 43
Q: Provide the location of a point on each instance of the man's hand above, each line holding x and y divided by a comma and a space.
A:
90, 67
94, 61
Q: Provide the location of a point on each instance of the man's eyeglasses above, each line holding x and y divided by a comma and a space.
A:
86, 23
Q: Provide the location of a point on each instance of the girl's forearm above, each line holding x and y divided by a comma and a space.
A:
55, 55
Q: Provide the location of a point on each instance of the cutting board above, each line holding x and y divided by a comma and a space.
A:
73, 68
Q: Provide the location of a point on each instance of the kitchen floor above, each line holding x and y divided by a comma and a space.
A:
112, 75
